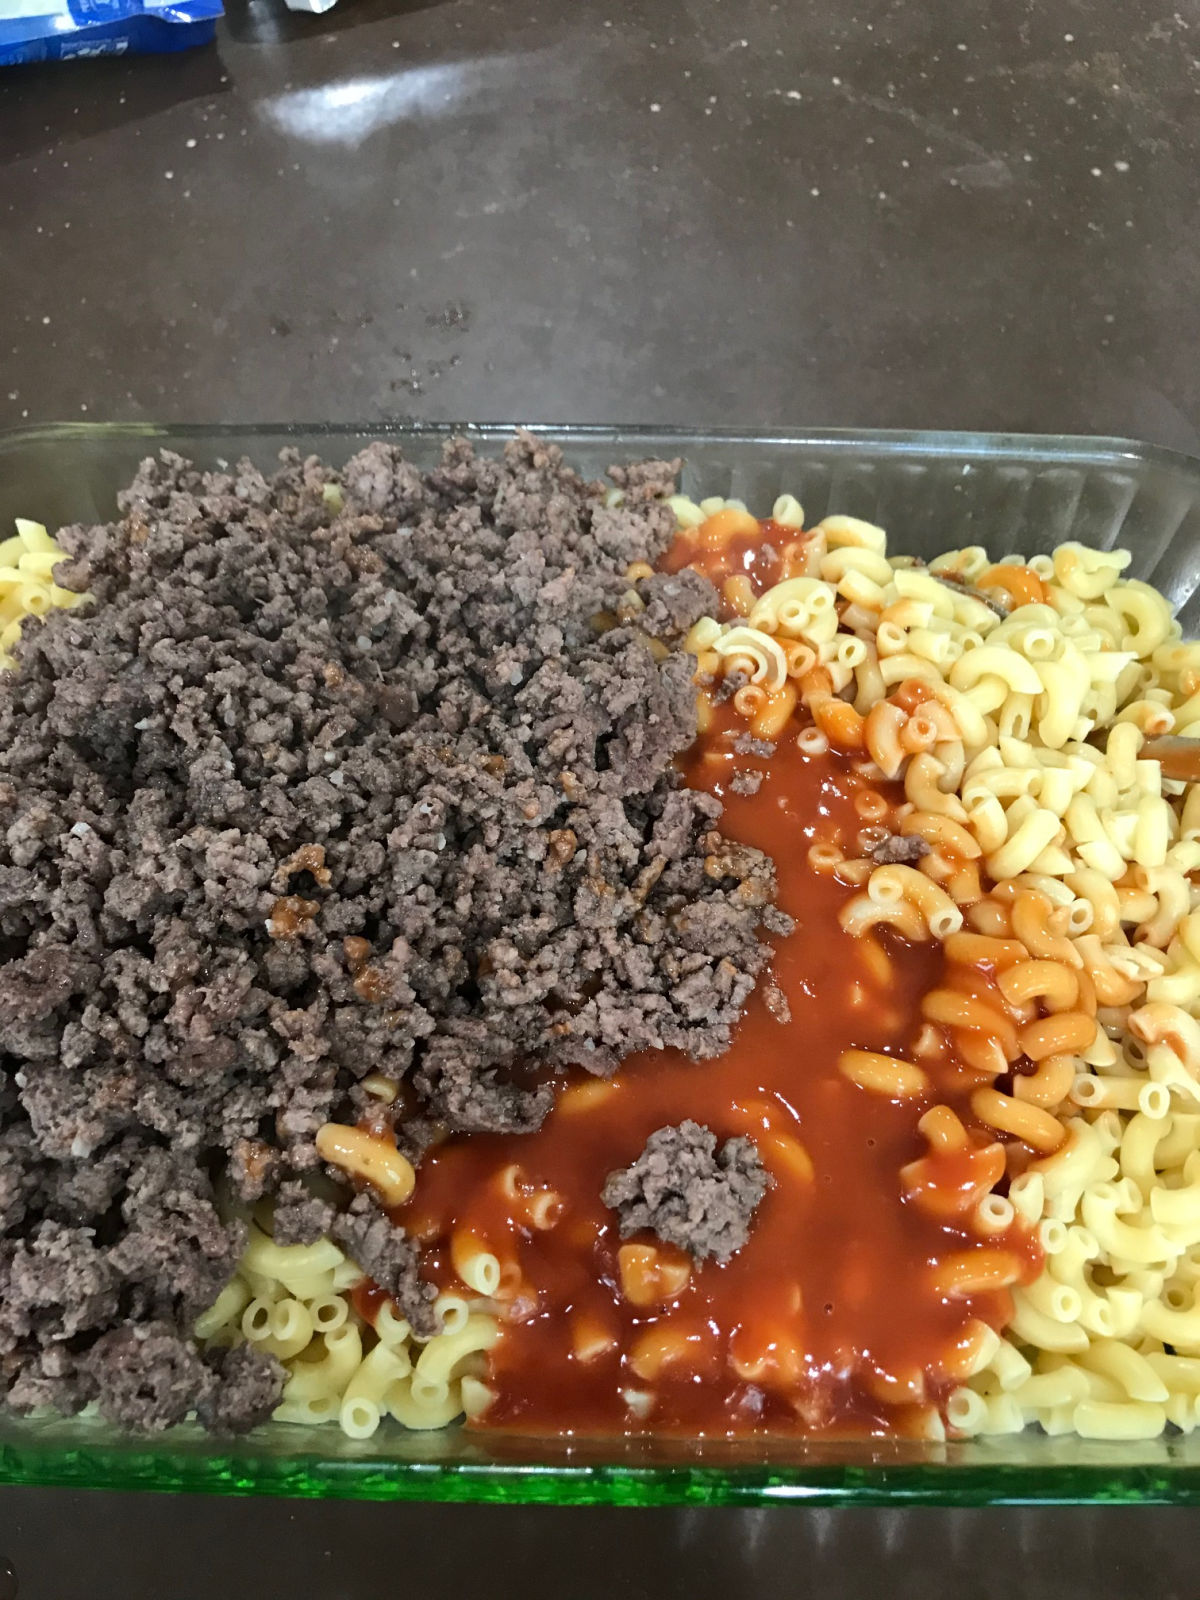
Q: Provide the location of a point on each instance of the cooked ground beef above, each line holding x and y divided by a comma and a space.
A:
388, 1255
899, 850
747, 745
300, 1217
149, 1375
320, 786
246, 1391
689, 1193
674, 600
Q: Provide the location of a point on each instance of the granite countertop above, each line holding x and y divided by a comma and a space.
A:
864, 212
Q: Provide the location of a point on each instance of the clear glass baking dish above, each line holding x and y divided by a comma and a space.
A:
932, 491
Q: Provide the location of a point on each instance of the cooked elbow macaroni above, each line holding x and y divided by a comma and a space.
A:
27, 586
1061, 862
294, 1302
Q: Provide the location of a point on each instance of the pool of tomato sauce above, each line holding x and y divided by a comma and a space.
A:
834, 1283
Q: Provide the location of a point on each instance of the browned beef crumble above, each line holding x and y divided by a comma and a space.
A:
389, 1256
246, 1391
674, 600
308, 794
149, 1375
689, 1193
747, 745
300, 1217
899, 849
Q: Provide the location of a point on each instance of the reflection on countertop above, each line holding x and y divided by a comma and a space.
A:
656, 210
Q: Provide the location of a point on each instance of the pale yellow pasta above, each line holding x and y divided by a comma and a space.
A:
1177, 1210
1145, 613
328, 1313
27, 587
475, 1395
1088, 573
840, 531
1001, 1415
451, 1310
310, 1413
1042, 1391
225, 1310
378, 1370
1033, 1327
967, 1411
1098, 1419
359, 1416
1183, 1411
291, 1329
1038, 829
686, 512
1180, 1139
346, 1275
423, 1414
1130, 1371
1027, 1192
1121, 1094
339, 1357
994, 1214
288, 1263
34, 538
391, 1329
1140, 1243
1008, 1366
788, 512
1049, 1298
870, 565
426, 1390
311, 1286
798, 608
756, 653
339, 1367
441, 1356
1180, 1374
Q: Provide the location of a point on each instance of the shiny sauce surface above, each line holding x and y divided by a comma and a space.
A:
828, 1319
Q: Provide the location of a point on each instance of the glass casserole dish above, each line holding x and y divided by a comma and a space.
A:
932, 491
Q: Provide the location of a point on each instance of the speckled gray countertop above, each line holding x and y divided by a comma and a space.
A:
952, 214
865, 212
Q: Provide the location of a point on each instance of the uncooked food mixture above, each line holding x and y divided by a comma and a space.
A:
342, 774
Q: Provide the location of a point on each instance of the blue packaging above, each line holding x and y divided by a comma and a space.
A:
56, 30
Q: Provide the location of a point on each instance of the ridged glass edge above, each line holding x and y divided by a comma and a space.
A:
909, 1485
1094, 450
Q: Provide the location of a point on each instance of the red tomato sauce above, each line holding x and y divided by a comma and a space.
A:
830, 1304
761, 556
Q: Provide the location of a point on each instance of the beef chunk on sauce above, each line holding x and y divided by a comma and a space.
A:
688, 1192
899, 850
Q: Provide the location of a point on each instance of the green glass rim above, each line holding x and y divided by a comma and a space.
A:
970, 1474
